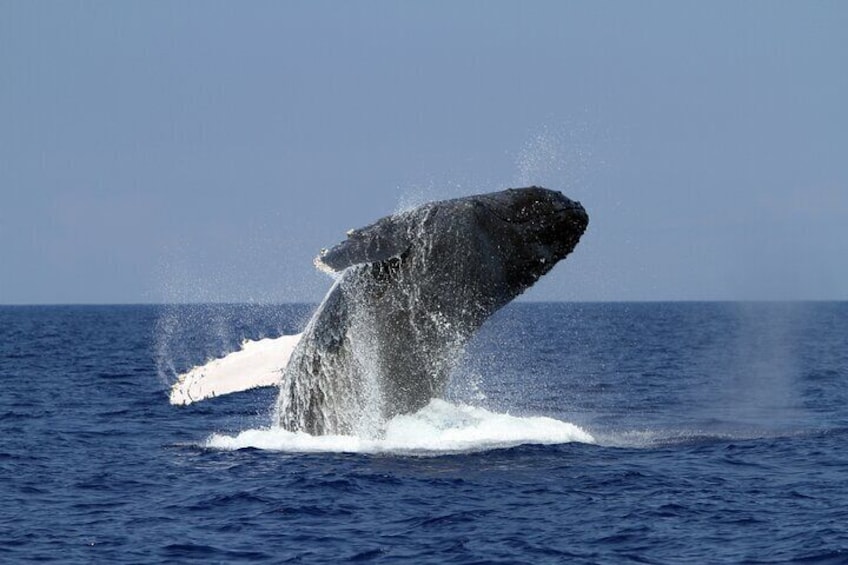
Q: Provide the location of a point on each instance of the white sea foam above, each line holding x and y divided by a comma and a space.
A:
440, 427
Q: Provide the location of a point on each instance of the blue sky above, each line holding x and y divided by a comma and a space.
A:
205, 151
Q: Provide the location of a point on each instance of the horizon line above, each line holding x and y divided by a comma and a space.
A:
265, 304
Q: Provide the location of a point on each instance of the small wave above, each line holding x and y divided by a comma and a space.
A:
439, 428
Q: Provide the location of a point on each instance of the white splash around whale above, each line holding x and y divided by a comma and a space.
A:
441, 427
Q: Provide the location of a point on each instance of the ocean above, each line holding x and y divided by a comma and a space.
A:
570, 433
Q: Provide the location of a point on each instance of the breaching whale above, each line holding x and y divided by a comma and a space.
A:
412, 290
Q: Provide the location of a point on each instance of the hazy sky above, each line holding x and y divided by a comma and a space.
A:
196, 151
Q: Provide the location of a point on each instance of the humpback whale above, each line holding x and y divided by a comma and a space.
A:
411, 290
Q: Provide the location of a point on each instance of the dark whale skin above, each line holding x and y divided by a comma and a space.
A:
412, 290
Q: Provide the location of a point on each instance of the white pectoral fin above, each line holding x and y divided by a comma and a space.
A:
256, 364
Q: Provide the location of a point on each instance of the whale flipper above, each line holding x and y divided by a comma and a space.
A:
257, 364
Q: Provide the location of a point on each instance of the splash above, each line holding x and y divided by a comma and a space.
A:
556, 156
439, 428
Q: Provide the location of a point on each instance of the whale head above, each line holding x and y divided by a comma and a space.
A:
532, 228
512, 237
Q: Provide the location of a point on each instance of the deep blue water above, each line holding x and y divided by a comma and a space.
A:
721, 435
